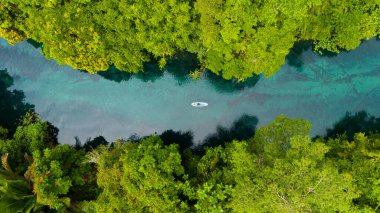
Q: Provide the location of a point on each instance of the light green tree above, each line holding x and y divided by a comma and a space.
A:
135, 177
301, 181
236, 39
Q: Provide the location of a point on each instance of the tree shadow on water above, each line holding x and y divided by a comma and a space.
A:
113, 74
351, 124
12, 103
151, 73
183, 139
229, 86
34, 43
294, 58
90, 144
180, 67
241, 129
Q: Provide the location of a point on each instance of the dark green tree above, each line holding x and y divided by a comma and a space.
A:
12, 104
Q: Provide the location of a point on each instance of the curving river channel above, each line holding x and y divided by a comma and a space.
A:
318, 88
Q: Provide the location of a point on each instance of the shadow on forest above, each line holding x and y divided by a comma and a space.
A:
12, 105
179, 67
351, 124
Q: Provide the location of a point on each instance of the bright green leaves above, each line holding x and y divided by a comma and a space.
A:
299, 180
51, 171
274, 139
238, 39
135, 31
306, 181
207, 189
48, 182
31, 136
243, 38
140, 177
281, 169
70, 36
342, 24
11, 19
54, 172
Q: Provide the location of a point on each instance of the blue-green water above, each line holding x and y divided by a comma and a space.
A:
319, 89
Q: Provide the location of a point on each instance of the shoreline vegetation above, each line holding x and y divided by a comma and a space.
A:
275, 168
279, 169
234, 39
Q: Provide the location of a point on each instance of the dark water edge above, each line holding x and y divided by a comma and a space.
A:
13, 107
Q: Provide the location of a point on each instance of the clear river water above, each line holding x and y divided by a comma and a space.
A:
321, 89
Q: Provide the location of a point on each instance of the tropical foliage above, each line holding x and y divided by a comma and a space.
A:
280, 169
236, 39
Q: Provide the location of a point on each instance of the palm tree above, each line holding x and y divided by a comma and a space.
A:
15, 191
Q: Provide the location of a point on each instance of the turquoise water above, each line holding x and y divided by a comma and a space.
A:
319, 89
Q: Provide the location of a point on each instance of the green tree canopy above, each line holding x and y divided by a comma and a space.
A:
280, 169
55, 172
33, 134
237, 39
361, 158
143, 176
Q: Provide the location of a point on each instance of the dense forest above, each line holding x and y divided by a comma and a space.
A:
234, 39
280, 168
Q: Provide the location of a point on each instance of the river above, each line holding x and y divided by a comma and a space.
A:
318, 88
